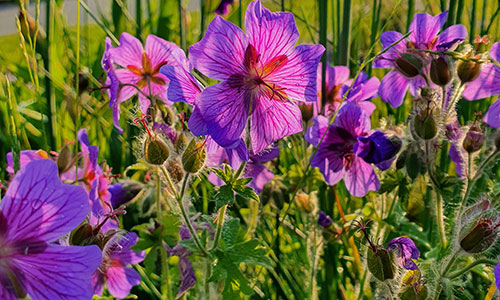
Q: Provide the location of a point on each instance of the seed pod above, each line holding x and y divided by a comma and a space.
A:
181, 142
468, 71
480, 237
155, 151
194, 156
414, 292
307, 111
64, 160
303, 202
175, 170
409, 65
425, 125
166, 113
440, 71
381, 263
474, 140
82, 236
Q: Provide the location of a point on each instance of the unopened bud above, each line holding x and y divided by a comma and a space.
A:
480, 237
425, 125
65, 160
166, 113
175, 170
409, 65
474, 139
82, 236
324, 220
381, 263
440, 72
307, 111
302, 200
194, 156
123, 192
414, 292
468, 71
155, 151
181, 142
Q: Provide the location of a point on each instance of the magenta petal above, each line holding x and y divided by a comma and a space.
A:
330, 164
125, 76
59, 272
129, 53
315, 132
495, 52
271, 33
425, 28
160, 52
393, 88
221, 52
298, 76
336, 75
182, 87
272, 120
485, 85
452, 35
25, 157
492, 116
38, 206
353, 119
260, 174
388, 38
120, 281
123, 252
89, 152
360, 178
225, 111
6, 292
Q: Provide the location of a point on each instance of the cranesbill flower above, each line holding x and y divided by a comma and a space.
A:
262, 73
406, 252
112, 83
113, 270
487, 85
409, 65
140, 69
455, 135
348, 149
337, 83
25, 157
36, 211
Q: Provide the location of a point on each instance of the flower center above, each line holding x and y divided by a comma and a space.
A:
343, 145
148, 72
256, 79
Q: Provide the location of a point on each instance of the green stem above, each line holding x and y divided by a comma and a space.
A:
220, 223
472, 265
439, 220
158, 195
165, 278
438, 287
146, 279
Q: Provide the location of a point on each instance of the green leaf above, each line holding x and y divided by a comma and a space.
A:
224, 196
150, 260
247, 193
230, 231
249, 252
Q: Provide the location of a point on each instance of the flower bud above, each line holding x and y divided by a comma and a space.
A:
194, 156
468, 71
425, 125
175, 170
302, 200
65, 160
474, 139
307, 111
381, 263
480, 237
83, 235
324, 220
166, 113
181, 142
440, 72
414, 292
409, 65
155, 151
123, 192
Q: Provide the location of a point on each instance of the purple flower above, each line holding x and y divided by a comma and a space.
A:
486, 85
255, 169
455, 135
497, 276
349, 148
262, 73
113, 270
25, 157
123, 192
112, 82
406, 252
36, 211
324, 220
337, 84
140, 69
222, 7
405, 72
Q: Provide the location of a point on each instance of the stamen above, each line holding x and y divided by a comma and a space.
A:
142, 119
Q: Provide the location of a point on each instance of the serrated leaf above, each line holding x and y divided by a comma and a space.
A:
247, 193
189, 244
225, 195
250, 253
150, 260
230, 230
